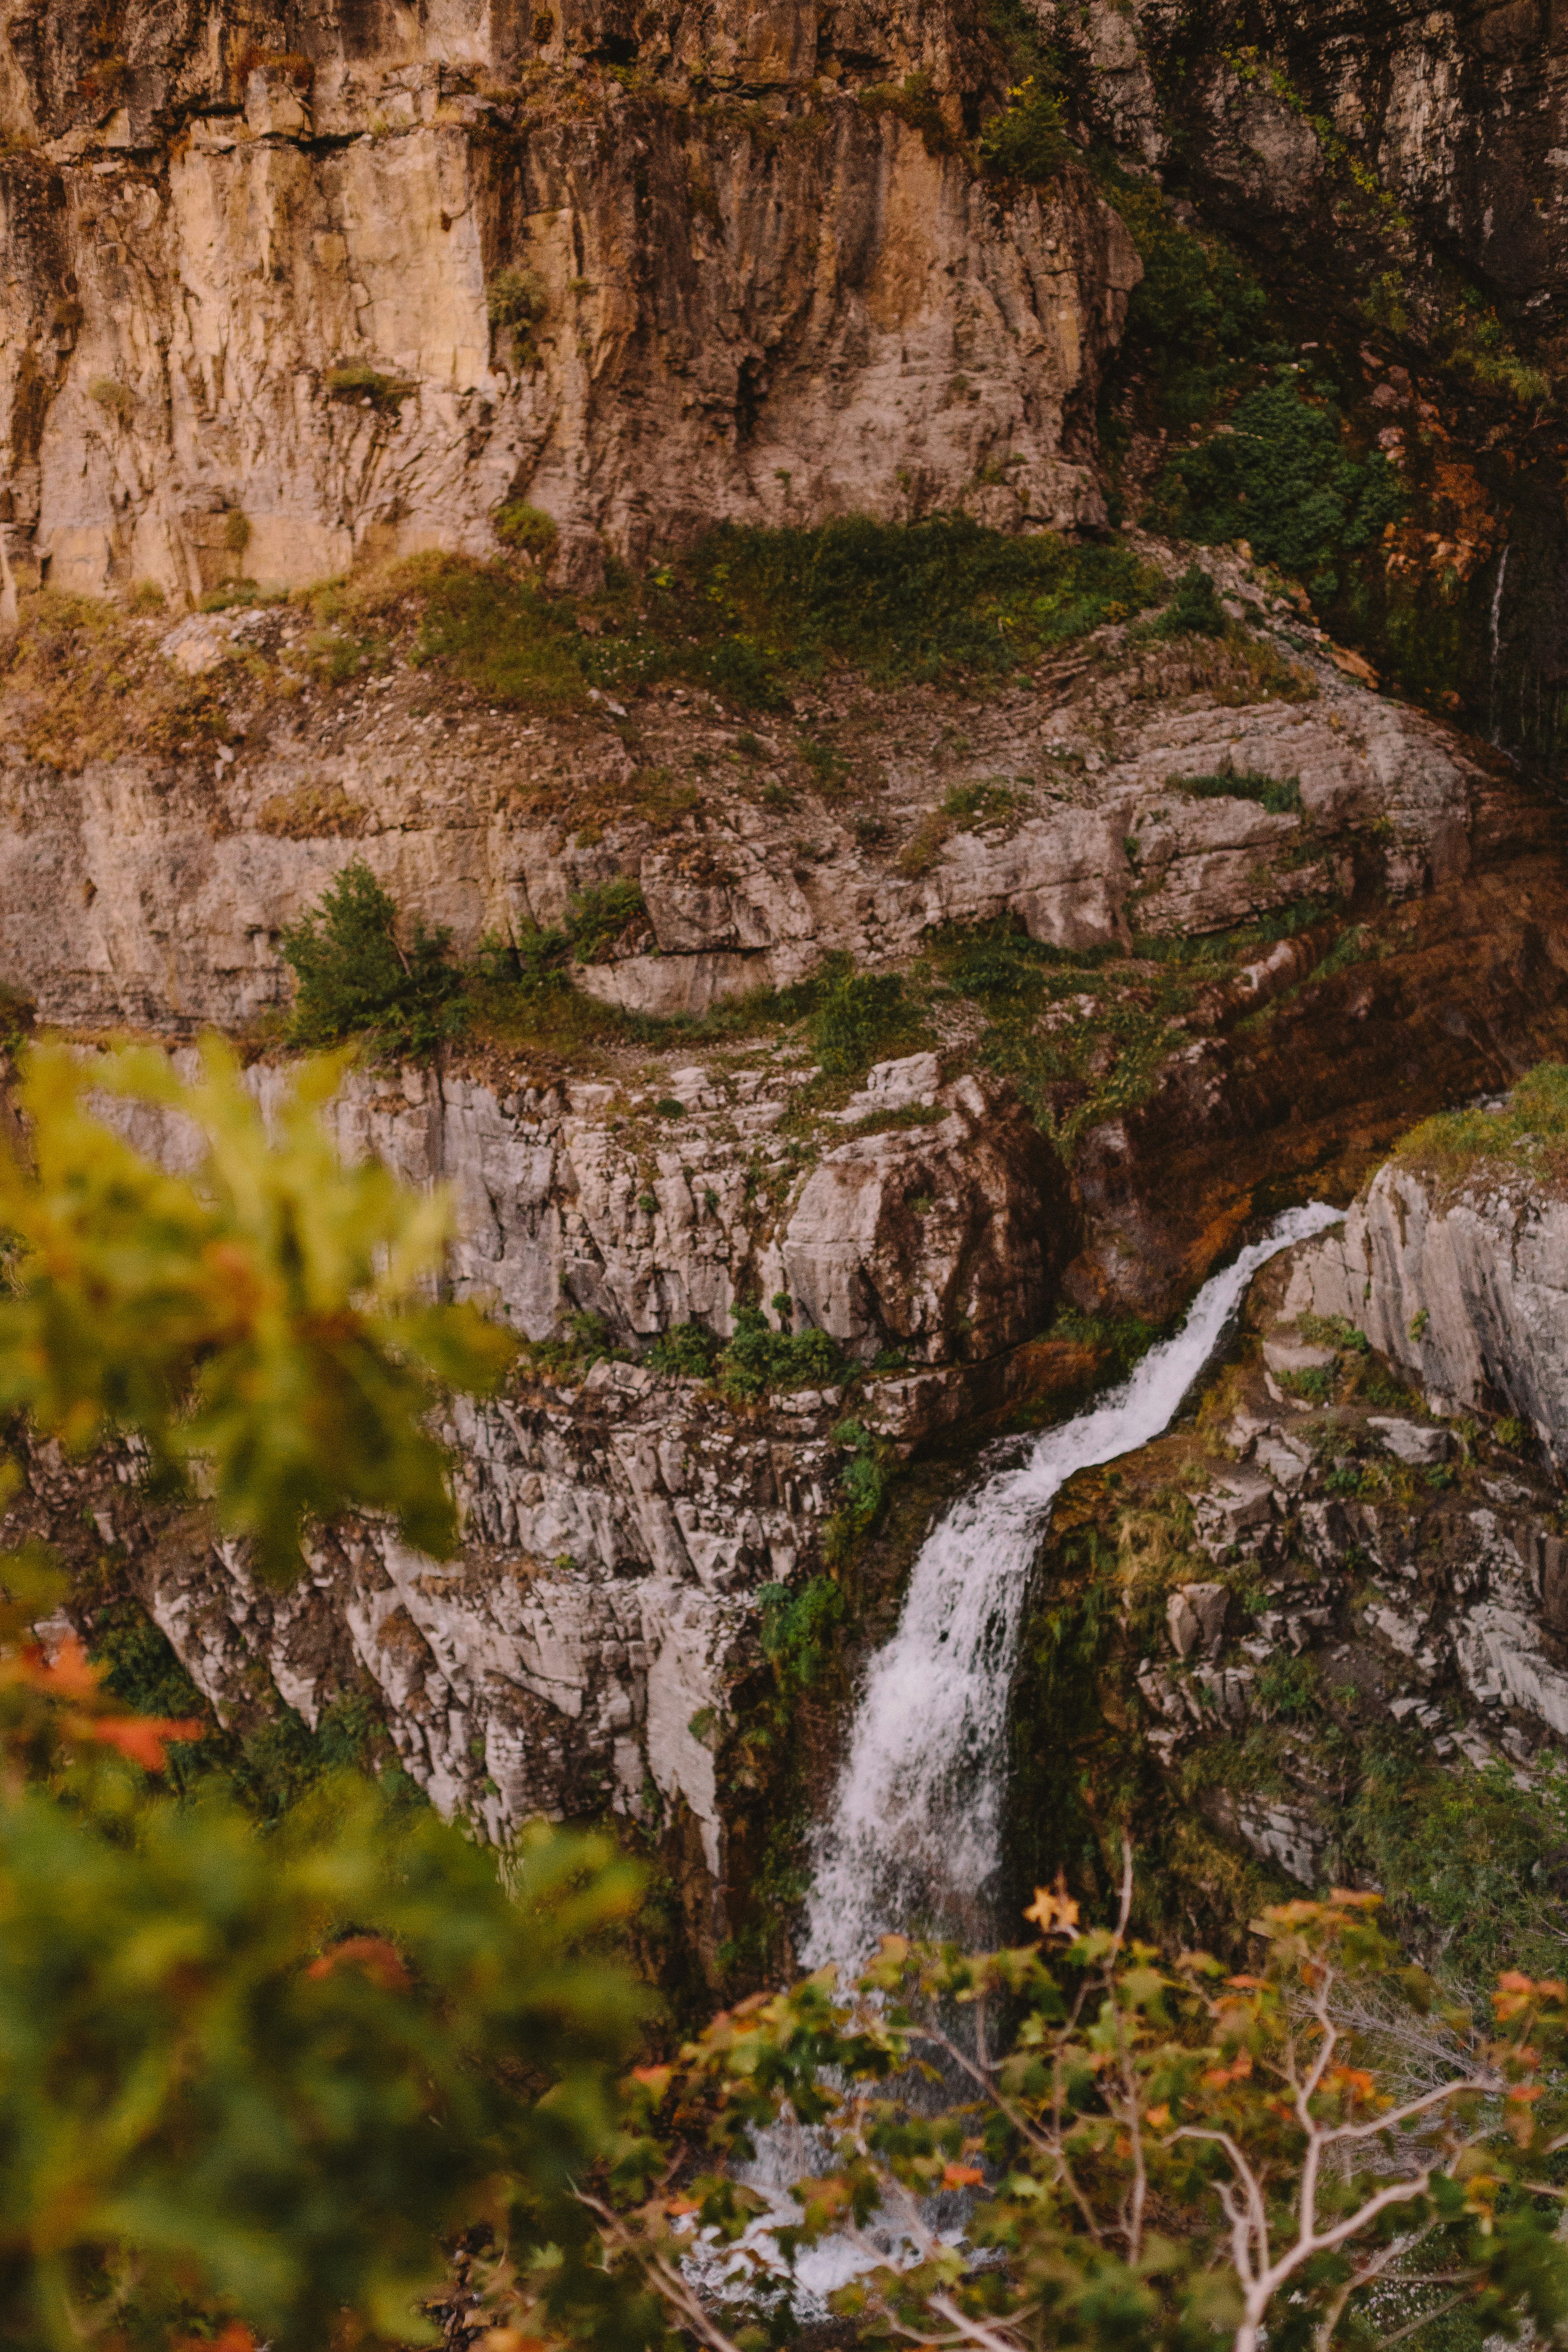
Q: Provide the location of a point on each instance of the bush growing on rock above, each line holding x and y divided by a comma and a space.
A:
1194, 610
1282, 479
356, 976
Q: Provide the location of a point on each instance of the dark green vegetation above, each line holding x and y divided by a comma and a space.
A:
1194, 610
749, 611
1198, 320
360, 971
756, 1359
1282, 478
1281, 795
268, 1769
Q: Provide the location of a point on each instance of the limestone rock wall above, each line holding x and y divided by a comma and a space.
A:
251, 260
1469, 1293
154, 892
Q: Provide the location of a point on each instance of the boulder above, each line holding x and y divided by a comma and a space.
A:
944, 1242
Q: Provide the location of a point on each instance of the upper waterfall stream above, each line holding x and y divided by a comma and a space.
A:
913, 1835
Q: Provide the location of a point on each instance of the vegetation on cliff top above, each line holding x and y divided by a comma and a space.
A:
1525, 1134
749, 610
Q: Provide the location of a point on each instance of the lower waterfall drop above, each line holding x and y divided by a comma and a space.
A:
912, 1837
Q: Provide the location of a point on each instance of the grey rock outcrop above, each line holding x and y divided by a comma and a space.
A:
1468, 1291
941, 1241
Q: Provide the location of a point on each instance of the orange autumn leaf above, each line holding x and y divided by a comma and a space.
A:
236, 2337
961, 2176
378, 1959
68, 1674
1053, 1913
677, 2205
1353, 2079
141, 1738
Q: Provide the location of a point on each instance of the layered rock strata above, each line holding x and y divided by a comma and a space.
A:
1467, 1289
290, 289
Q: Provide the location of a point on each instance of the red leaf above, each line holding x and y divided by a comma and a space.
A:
378, 1959
142, 1737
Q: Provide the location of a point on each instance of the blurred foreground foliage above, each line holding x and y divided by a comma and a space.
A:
248, 2079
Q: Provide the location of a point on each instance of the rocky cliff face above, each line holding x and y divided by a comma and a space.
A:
1332, 1589
1465, 1292
291, 290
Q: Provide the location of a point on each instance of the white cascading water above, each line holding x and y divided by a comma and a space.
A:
912, 1838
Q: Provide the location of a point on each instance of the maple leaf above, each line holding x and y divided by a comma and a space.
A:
1052, 1910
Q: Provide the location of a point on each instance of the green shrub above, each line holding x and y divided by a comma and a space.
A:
1280, 795
798, 1628
1282, 478
757, 1359
858, 1018
517, 298
1028, 139
356, 380
267, 1317
686, 1348
599, 917
527, 529
1197, 317
355, 977
1194, 609
255, 2079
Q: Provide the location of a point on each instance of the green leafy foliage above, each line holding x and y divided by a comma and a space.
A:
1150, 2152
267, 1317
688, 1349
527, 529
256, 2079
758, 1358
1280, 477
355, 976
1194, 610
863, 1482
1028, 139
600, 916
1197, 318
798, 1628
858, 1018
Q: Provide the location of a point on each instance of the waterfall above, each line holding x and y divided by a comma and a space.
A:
912, 1837
1496, 641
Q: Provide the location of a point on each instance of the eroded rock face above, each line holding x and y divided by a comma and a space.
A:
605, 1600
1306, 1576
261, 321
941, 1241
156, 892
1469, 1293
